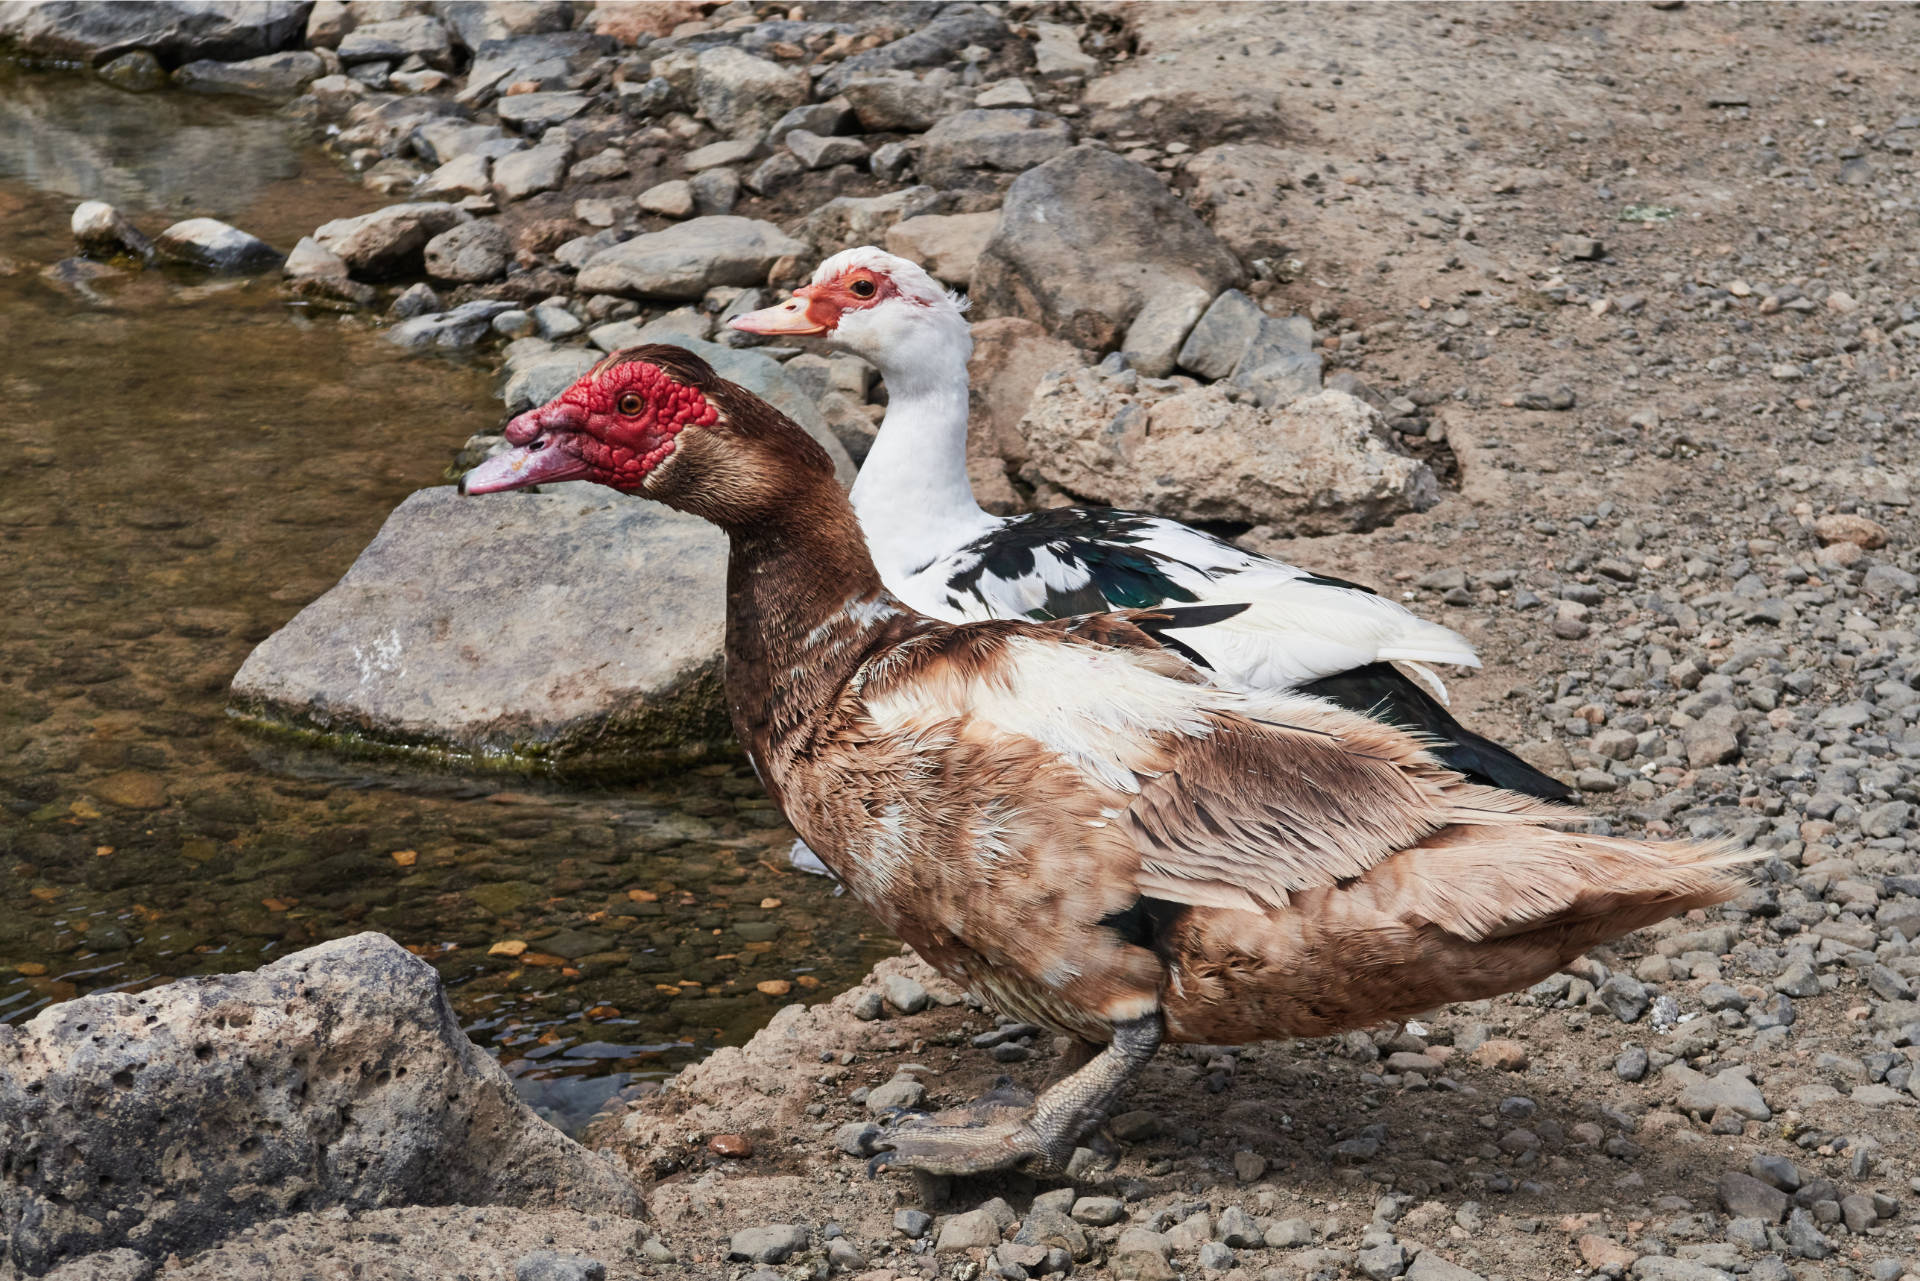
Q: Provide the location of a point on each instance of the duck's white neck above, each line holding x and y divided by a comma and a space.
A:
912, 495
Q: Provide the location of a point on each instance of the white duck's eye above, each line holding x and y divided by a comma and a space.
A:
862, 288
631, 403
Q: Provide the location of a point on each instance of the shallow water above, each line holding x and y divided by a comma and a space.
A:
189, 462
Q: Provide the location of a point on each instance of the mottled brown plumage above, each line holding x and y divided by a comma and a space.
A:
1068, 818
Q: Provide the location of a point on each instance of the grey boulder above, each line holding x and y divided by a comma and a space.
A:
933, 43
1010, 140
1087, 240
684, 261
279, 77
473, 23
1271, 356
527, 173
894, 102
469, 253
166, 1120
172, 30
576, 629
213, 245
398, 39
390, 241
742, 95
464, 326
1317, 466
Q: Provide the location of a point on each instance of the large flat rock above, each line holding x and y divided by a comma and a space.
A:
576, 629
172, 30
686, 260
164, 1121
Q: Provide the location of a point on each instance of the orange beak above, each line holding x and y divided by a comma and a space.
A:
802, 314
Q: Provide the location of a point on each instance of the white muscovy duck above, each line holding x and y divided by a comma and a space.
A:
943, 555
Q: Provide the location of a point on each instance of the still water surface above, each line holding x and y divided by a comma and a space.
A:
189, 461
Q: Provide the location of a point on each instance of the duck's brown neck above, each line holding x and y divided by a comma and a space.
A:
804, 604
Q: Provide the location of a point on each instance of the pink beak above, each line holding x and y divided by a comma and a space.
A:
540, 456
802, 314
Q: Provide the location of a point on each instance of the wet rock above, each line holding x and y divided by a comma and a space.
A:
396, 40
215, 246
469, 253
415, 300
103, 231
1011, 140
743, 95
527, 173
394, 1106
1086, 240
389, 241
607, 652
279, 77
685, 261
1317, 465
465, 325
173, 33
912, 1224
947, 245
136, 72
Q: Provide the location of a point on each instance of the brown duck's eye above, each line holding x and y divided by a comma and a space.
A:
631, 403
862, 288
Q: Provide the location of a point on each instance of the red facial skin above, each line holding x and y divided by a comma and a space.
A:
613, 426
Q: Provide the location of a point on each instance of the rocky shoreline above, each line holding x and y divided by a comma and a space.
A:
1621, 336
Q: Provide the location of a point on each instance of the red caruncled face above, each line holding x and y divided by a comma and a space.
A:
613, 426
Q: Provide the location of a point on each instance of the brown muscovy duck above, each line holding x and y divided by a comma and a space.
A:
1065, 816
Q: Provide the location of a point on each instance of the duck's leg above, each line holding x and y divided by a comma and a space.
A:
1042, 1140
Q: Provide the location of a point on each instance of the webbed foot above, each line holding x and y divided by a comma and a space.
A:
1005, 1129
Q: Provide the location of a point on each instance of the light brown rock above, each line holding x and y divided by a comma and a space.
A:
1849, 527
947, 245
1317, 465
1010, 357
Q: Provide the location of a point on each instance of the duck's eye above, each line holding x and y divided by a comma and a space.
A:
862, 288
631, 403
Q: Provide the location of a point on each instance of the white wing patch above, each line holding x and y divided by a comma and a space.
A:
1096, 708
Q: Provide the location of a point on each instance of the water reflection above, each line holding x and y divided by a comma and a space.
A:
174, 491
72, 135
